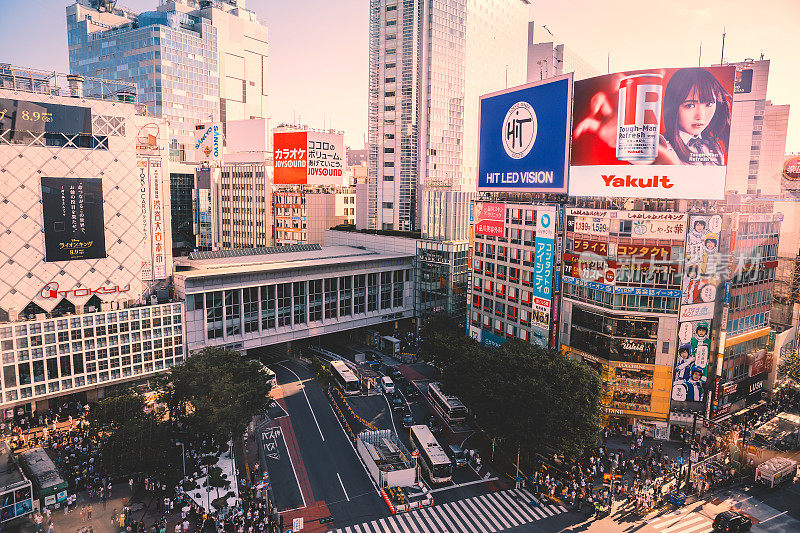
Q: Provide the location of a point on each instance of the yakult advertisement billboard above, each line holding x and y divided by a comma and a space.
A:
524, 137
308, 157
660, 133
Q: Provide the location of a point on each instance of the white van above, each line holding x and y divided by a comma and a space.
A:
387, 384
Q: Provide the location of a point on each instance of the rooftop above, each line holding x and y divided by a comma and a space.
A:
10, 474
225, 262
31, 80
41, 467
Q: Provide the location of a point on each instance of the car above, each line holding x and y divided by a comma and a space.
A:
457, 455
396, 401
409, 390
387, 385
732, 522
370, 356
406, 417
433, 424
396, 375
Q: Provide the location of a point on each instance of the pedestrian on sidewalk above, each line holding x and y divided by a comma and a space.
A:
89, 512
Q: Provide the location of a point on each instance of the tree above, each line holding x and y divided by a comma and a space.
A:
529, 397
216, 392
790, 366
133, 439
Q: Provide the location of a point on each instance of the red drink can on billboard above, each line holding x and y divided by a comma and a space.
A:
639, 117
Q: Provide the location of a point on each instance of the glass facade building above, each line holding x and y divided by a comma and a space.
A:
428, 64
171, 56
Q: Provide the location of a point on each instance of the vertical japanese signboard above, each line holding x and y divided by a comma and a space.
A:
143, 198
72, 210
702, 268
544, 246
157, 212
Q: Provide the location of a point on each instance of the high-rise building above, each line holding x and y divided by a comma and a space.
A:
85, 244
193, 61
302, 213
547, 58
233, 206
429, 64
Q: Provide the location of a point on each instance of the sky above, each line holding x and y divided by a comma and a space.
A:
319, 48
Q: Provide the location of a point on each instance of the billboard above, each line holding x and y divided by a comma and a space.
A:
701, 278
308, 157
490, 219
659, 133
72, 210
21, 117
524, 137
208, 142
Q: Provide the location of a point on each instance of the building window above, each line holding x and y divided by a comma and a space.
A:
315, 300
345, 295
386, 290
398, 289
388, 205
330, 297
233, 315
268, 307
372, 292
214, 314
284, 304
299, 302
250, 296
360, 294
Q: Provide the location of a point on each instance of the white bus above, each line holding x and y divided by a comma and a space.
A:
432, 458
449, 407
345, 377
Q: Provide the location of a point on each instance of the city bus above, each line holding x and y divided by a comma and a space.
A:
448, 406
432, 458
345, 378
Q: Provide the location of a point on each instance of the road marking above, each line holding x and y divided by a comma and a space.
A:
446, 516
695, 521
491, 512
509, 510
342, 484
299, 487
771, 517
435, 516
302, 388
511, 502
409, 523
463, 484
472, 511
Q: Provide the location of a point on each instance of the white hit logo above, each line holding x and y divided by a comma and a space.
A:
519, 130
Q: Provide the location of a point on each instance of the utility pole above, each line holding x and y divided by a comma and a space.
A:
517, 476
722, 55
691, 448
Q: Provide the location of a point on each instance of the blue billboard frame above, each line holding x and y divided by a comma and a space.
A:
551, 102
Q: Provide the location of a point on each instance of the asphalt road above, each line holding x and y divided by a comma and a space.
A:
334, 471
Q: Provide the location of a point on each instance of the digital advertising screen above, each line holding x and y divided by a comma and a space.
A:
656, 133
524, 137
74, 226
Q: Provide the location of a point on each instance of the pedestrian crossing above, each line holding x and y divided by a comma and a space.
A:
488, 513
682, 522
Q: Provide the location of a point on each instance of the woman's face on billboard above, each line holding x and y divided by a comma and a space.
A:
693, 115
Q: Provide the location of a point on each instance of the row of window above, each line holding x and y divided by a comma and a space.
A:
286, 304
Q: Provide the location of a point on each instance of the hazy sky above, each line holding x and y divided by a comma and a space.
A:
319, 62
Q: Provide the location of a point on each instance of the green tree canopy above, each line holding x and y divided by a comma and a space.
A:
790, 366
216, 392
521, 393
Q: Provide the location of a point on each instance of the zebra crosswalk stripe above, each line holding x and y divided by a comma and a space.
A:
511, 512
487, 513
503, 516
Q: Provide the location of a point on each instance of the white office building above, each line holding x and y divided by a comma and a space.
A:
84, 240
429, 64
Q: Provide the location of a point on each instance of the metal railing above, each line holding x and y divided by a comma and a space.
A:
53, 83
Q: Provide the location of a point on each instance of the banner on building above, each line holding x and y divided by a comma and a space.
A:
208, 143
524, 137
158, 220
656, 133
490, 219
143, 198
24, 118
543, 257
308, 157
74, 227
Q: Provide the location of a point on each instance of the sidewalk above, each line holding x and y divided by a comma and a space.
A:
144, 509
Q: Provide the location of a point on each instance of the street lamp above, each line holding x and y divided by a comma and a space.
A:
183, 457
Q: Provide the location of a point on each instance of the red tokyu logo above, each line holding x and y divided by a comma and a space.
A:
51, 291
640, 183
